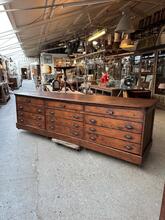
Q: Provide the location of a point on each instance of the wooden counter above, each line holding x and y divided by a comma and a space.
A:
114, 126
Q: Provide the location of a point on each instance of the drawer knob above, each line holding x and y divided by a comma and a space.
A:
39, 110
129, 127
28, 100
39, 125
76, 125
39, 118
76, 117
128, 136
21, 120
75, 133
110, 112
92, 138
20, 107
21, 113
92, 129
52, 113
128, 147
51, 127
93, 121
52, 120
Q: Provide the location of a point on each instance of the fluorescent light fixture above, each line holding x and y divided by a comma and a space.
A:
97, 35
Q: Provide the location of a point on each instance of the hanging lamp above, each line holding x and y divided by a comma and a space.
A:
125, 25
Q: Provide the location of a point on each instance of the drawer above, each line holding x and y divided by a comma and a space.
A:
123, 135
60, 114
31, 122
31, 116
69, 132
69, 115
64, 105
115, 112
114, 123
64, 122
29, 100
30, 108
113, 143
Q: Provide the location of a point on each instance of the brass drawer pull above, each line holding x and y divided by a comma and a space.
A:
21, 113
38, 118
20, 107
51, 127
128, 136
93, 121
110, 112
52, 113
39, 110
76, 125
92, 138
21, 120
76, 117
52, 120
130, 127
128, 147
75, 133
39, 125
92, 129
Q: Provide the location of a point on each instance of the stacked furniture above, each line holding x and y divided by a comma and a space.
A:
111, 125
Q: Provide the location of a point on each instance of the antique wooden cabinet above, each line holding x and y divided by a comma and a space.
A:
115, 126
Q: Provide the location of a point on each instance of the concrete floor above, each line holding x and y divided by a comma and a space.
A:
40, 180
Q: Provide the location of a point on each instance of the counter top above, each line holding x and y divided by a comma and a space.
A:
92, 99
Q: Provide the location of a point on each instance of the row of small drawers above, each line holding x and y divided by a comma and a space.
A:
107, 111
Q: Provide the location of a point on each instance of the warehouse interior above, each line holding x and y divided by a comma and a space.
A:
82, 110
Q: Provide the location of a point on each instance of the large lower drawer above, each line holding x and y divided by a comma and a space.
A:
30, 100
123, 135
114, 123
30, 108
65, 114
114, 143
64, 105
116, 112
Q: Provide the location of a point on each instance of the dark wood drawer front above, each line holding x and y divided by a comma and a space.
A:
69, 132
69, 115
37, 117
64, 122
114, 124
115, 143
29, 100
30, 108
64, 105
115, 112
123, 135
31, 122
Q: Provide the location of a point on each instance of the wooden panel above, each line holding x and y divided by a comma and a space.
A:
30, 108
113, 123
114, 143
123, 135
64, 105
115, 112
29, 100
